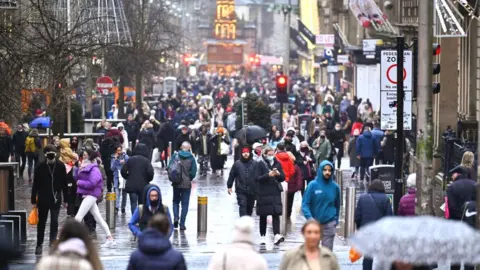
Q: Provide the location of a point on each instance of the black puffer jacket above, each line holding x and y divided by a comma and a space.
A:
269, 201
244, 173
138, 170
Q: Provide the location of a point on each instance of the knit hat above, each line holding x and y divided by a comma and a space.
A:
412, 180
244, 230
245, 150
255, 145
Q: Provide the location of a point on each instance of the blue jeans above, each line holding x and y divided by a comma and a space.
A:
181, 195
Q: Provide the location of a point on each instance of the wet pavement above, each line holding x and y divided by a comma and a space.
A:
196, 247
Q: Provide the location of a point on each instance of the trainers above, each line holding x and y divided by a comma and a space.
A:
123, 211
278, 239
263, 240
109, 243
183, 228
175, 224
38, 251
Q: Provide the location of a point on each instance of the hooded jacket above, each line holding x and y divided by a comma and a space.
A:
269, 201
458, 193
45, 188
19, 141
321, 200
371, 207
366, 145
116, 165
407, 203
124, 135
287, 163
187, 160
138, 170
71, 254
139, 221
155, 252
243, 173
89, 180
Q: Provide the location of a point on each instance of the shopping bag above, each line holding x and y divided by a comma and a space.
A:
447, 212
33, 216
354, 255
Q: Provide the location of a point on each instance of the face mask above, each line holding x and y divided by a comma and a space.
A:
51, 156
258, 152
270, 158
337, 128
154, 203
322, 137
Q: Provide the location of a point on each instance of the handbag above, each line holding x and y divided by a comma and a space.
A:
224, 149
354, 255
121, 181
33, 216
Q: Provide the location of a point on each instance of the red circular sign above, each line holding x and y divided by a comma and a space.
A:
104, 83
388, 74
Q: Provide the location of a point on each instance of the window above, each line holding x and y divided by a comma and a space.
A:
409, 11
197, 4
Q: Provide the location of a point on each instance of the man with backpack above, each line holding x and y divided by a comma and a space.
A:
32, 150
182, 169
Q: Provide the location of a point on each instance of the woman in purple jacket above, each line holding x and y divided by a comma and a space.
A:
90, 186
407, 202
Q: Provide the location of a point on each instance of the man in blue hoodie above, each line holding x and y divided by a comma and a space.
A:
321, 201
181, 191
367, 148
144, 212
377, 134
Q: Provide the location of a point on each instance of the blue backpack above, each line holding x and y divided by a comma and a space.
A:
175, 171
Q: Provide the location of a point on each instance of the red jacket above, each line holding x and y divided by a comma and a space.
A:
287, 164
296, 182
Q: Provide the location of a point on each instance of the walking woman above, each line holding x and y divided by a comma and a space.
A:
90, 186
310, 255
217, 158
269, 201
74, 250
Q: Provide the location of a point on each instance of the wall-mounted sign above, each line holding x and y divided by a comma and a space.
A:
225, 21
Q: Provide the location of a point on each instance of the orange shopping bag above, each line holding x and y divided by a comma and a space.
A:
33, 217
354, 255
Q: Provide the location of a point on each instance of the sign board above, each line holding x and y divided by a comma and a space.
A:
104, 85
386, 174
388, 109
369, 48
388, 71
325, 39
343, 58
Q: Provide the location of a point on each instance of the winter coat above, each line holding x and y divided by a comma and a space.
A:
295, 259
407, 203
188, 162
201, 144
107, 149
42, 184
352, 152
155, 252
371, 207
89, 180
217, 161
458, 193
124, 135
378, 136
147, 137
244, 173
388, 148
19, 141
323, 150
241, 254
366, 146
308, 170
287, 164
269, 201
6, 147
321, 199
352, 113
116, 165
69, 259
182, 138
296, 182
139, 220
138, 170
132, 130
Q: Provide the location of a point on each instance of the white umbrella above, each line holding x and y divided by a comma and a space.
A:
422, 240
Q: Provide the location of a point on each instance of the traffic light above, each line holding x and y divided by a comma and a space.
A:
282, 88
436, 67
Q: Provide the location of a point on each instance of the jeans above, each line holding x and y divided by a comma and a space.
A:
365, 163
42, 221
245, 204
181, 195
328, 234
121, 193
89, 204
134, 201
23, 158
275, 225
31, 158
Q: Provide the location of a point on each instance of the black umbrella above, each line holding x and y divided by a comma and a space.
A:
251, 134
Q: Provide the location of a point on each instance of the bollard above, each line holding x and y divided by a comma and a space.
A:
202, 214
111, 198
284, 218
339, 177
350, 211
